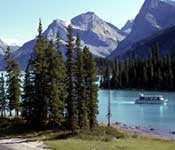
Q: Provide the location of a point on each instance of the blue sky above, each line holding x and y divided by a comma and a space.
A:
19, 18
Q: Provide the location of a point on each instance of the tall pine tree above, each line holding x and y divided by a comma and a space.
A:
2, 96
61, 69
13, 83
80, 86
70, 82
28, 96
39, 66
14, 86
53, 93
90, 72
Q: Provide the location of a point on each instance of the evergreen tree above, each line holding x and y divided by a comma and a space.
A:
80, 87
8, 70
56, 106
14, 88
90, 71
39, 65
54, 80
61, 72
13, 83
107, 76
115, 75
170, 73
145, 76
29, 95
8, 60
17, 86
44, 90
2, 96
126, 73
70, 81
151, 72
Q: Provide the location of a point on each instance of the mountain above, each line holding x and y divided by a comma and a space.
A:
171, 2
155, 15
164, 38
127, 28
3, 46
100, 36
12, 41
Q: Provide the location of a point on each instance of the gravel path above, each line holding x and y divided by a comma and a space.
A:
2, 147
21, 144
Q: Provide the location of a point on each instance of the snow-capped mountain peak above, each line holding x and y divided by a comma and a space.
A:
57, 22
100, 36
86, 21
12, 41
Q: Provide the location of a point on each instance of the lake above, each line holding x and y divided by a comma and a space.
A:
124, 109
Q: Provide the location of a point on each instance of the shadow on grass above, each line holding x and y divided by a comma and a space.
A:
99, 133
13, 127
17, 127
63, 136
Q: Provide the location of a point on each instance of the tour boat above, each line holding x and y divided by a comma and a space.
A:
151, 99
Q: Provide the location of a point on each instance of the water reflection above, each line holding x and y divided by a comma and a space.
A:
161, 110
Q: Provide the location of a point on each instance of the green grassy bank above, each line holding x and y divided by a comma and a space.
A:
101, 138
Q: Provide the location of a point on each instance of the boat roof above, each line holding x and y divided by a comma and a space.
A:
149, 95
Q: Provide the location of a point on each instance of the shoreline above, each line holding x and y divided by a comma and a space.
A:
145, 131
140, 90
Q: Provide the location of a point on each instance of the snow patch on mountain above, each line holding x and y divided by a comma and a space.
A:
127, 28
12, 41
171, 2
67, 23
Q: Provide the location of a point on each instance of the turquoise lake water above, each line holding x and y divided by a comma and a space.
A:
124, 109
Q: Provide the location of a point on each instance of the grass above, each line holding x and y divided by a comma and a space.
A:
116, 144
105, 138
101, 138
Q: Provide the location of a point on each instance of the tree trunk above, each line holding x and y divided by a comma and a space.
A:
10, 112
4, 113
17, 113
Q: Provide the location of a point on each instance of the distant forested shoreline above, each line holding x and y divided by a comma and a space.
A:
154, 73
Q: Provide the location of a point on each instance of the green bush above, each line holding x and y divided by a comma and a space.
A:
100, 133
